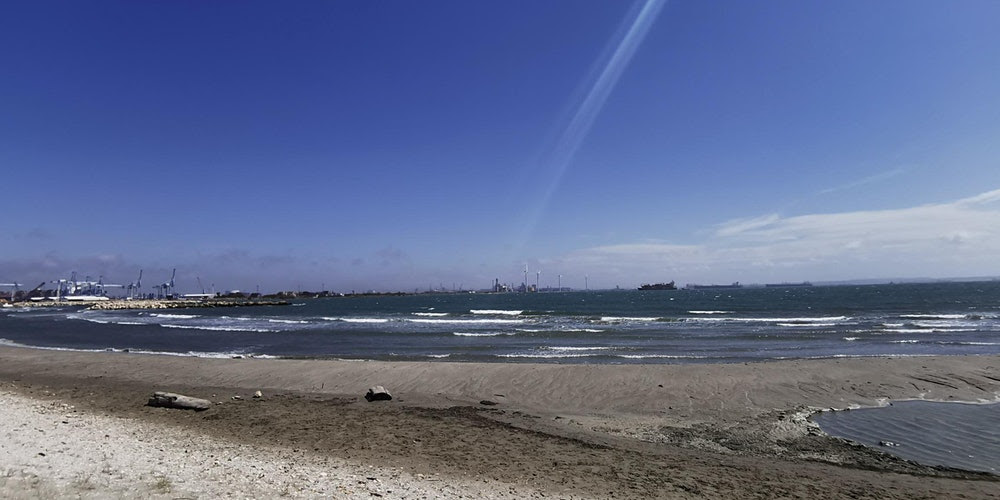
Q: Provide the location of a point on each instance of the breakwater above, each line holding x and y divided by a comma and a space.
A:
118, 305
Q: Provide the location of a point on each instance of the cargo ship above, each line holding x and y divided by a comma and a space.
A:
659, 286
693, 286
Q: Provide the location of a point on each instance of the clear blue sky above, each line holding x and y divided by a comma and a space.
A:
397, 145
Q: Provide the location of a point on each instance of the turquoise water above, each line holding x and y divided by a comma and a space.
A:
677, 326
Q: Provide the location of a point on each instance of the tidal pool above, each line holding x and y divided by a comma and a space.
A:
960, 435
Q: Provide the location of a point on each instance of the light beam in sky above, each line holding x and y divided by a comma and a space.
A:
635, 27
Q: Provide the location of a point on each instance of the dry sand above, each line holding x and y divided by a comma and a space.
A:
591, 431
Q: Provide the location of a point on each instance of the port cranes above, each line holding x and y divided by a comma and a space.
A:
166, 290
134, 288
15, 287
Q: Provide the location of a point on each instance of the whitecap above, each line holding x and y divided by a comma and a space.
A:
547, 356
614, 319
659, 356
819, 319
220, 328
467, 321
932, 316
500, 312
358, 320
578, 348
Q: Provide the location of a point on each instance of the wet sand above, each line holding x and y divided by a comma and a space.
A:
592, 431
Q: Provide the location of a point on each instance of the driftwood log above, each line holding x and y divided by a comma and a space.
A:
171, 400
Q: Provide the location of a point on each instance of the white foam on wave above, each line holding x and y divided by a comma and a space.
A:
438, 355
289, 321
906, 341
428, 314
549, 356
486, 334
932, 316
92, 320
850, 339
467, 321
578, 348
929, 330
660, 356
499, 312
104, 320
617, 319
805, 325
175, 316
849, 356
357, 320
943, 324
802, 320
196, 354
220, 328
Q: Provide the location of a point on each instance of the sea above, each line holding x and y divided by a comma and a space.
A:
608, 327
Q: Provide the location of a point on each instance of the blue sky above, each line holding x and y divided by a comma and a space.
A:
399, 145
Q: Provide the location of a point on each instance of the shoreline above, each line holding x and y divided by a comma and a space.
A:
641, 430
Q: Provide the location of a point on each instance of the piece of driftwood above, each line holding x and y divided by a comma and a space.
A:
378, 393
180, 401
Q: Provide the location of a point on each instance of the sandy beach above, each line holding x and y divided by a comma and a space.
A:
76, 425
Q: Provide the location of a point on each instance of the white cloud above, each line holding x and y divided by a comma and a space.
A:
948, 239
738, 226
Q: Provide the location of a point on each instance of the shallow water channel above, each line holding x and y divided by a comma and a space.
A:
960, 435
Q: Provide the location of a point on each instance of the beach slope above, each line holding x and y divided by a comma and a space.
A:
485, 430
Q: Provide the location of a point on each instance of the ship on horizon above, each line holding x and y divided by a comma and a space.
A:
658, 286
695, 286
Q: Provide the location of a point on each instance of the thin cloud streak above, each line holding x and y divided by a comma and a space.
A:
867, 180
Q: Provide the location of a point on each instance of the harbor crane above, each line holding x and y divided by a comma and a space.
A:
102, 287
166, 289
135, 288
15, 287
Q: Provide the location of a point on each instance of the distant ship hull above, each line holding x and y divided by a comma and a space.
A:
659, 286
692, 286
